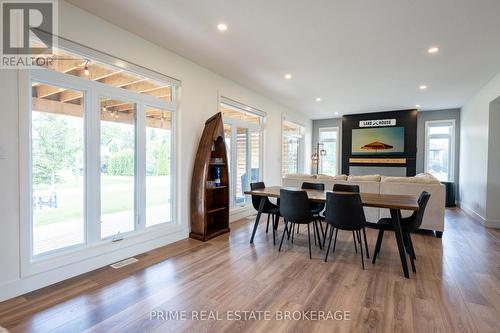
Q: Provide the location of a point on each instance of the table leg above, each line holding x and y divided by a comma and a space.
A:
257, 219
399, 239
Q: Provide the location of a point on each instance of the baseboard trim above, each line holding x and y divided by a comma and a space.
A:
489, 223
492, 224
241, 213
38, 281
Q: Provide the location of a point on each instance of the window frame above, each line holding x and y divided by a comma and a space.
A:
92, 91
234, 123
335, 129
451, 149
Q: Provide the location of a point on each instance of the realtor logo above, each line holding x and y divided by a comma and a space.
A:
28, 29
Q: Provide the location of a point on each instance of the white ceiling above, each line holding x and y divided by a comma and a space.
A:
357, 55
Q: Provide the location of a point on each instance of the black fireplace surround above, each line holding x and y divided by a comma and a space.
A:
404, 118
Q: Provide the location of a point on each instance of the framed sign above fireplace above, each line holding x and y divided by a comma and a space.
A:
377, 123
378, 139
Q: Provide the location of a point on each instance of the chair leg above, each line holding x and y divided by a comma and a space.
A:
358, 232
314, 231
406, 235
319, 235
309, 238
378, 245
283, 236
354, 239
293, 230
335, 242
329, 243
274, 229
326, 233
267, 226
322, 231
287, 231
298, 228
366, 244
411, 247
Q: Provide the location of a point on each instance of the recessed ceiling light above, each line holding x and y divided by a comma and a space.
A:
288, 76
417, 106
318, 99
222, 26
423, 87
336, 113
433, 49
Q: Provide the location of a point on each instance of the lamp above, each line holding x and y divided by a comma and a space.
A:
318, 153
86, 68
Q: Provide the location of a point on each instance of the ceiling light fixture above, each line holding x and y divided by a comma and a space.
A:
336, 113
423, 87
433, 49
222, 27
318, 99
288, 76
86, 69
417, 106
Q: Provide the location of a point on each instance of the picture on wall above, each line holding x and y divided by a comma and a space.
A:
381, 141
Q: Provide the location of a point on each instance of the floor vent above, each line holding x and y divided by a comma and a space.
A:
123, 263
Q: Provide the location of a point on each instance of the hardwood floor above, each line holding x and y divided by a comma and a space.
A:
456, 288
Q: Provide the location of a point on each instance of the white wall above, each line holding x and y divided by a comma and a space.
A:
474, 152
198, 101
493, 186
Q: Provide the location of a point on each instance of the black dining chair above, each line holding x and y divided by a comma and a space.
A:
408, 224
295, 209
350, 189
272, 210
316, 209
344, 211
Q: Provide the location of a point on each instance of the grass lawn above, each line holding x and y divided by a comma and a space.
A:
117, 196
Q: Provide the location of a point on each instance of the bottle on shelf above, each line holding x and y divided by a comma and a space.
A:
217, 180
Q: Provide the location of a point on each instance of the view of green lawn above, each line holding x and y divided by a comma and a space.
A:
113, 200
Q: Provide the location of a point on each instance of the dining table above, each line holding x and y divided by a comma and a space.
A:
394, 202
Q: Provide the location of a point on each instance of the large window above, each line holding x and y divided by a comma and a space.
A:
439, 149
158, 166
243, 136
292, 149
100, 153
117, 166
329, 163
58, 170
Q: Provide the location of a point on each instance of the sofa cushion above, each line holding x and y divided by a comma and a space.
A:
299, 176
413, 180
328, 177
367, 178
427, 176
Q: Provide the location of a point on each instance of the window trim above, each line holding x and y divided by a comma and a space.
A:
33, 264
335, 129
451, 136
